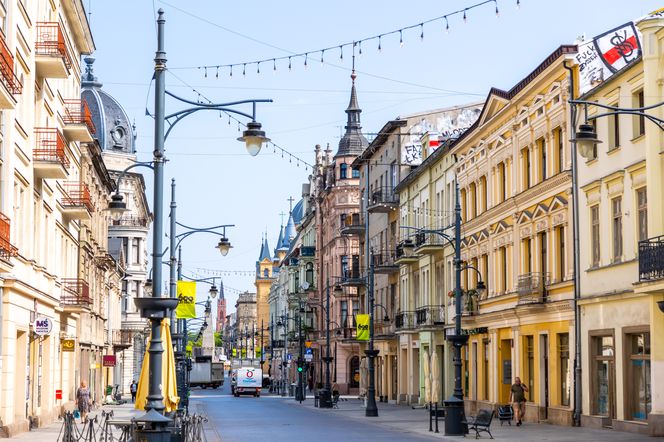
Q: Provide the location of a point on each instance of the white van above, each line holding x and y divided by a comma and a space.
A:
248, 380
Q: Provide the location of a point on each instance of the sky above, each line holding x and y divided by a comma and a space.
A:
217, 181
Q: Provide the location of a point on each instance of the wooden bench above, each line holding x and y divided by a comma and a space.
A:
480, 423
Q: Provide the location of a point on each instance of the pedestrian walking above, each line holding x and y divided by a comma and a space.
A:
132, 388
83, 401
518, 398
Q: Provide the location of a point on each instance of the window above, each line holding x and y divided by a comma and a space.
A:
616, 216
483, 200
344, 314
542, 237
541, 148
639, 400
356, 311
603, 373
485, 272
594, 234
125, 248
642, 213
503, 268
560, 249
485, 368
558, 135
343, 171
639, 121
530, 364
525, 168
464, 216
135, 250
614, 131
472, 203
564, 369
593, 123
356, 173
527, 255
344, 265
502, 183
393, 175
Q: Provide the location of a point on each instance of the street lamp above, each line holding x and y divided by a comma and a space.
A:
156, 308
253, 137
325, 395
454, 405
224, 246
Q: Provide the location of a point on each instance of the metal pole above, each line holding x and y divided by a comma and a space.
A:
325, 396
173, 261
454, 405
155, 400
372, 408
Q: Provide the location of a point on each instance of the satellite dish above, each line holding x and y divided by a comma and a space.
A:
304, 285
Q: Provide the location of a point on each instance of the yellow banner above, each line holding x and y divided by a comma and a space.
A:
234, 353
186, 291
362, 327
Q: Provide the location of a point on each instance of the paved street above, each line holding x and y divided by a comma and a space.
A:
282, 419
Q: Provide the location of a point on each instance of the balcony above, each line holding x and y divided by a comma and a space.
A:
352, 278
52, 54
385, 262
49, 156
344, 333
278, 343
405, 320
383, 200
122, 339
401, 256
7, 250
78, 121
352, 224
651, 259
10, 83
130, 221
307, 251
76, 201
429, 316
75, 294
428, 243
531, 288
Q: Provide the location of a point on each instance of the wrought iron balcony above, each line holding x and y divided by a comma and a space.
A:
7, 250
531, 287
400, 253
383, 200
429, 316
405, 320
385, 262
307, 251
75, 293
122, 339
52, 55
352, 277
8, 79
651, 259
130, 221
352, 224
78, 121
76, 200
429, 242
50, 154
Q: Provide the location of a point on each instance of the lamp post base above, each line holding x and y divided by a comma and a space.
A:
454, 414
324, 398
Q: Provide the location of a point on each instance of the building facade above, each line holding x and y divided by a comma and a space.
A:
245, 324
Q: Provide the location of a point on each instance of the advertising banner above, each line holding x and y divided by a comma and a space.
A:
362, 327
186, 291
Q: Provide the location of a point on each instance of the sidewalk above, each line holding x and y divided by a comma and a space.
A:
403, 418
50, 432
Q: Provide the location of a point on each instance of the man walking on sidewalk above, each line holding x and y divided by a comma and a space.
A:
518, 399
132, 389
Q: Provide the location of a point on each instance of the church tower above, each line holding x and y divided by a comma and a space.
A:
264, 279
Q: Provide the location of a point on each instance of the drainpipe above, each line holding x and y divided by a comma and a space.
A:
577, 278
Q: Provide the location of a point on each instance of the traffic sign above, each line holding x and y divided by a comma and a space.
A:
308, 344
308, 351
308, 357
289, 356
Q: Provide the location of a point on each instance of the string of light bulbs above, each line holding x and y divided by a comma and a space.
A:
310, 56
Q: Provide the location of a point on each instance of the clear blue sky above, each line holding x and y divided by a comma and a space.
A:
217, 181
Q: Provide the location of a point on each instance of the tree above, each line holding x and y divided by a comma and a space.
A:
218, 339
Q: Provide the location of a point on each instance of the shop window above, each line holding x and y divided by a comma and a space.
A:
354, 381
639, 395
603, 373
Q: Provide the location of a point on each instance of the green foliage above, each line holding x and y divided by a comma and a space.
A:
218, 339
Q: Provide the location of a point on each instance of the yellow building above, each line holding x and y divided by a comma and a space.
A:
621, 263
264, 279
513, 173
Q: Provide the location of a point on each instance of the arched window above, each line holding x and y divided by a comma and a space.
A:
309, 273
343, 171
266, 273
354, 381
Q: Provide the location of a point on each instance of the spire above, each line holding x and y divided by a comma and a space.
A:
289, 232
265, 250
353, 142
280, 240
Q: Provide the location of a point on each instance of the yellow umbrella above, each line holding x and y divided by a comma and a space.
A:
169, 384
435, 376
427, 377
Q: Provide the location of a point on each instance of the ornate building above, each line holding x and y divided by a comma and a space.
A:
128, 235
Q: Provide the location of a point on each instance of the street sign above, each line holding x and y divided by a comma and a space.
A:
308, 344
308, 351
42, 326
308, 357
108, 360
289, 356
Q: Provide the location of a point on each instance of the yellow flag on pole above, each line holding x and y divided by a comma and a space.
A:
186, 291
362, 327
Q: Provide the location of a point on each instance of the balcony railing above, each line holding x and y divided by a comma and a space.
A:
651, 259
78, 112
7, 250
50, 147
531, 287
7, 76
352, 277
383, 199
75, 292
430, 315
123, 338
131, 221
429, 240
77, 195
51, 42
384, 261
278, 343
405, 320
400, 252
352, 224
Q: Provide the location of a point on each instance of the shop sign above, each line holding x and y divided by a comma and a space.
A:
58, 394
42, 326
108, 360
68, 344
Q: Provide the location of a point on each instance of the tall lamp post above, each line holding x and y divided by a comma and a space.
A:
454, 413
157, 307
325, 395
